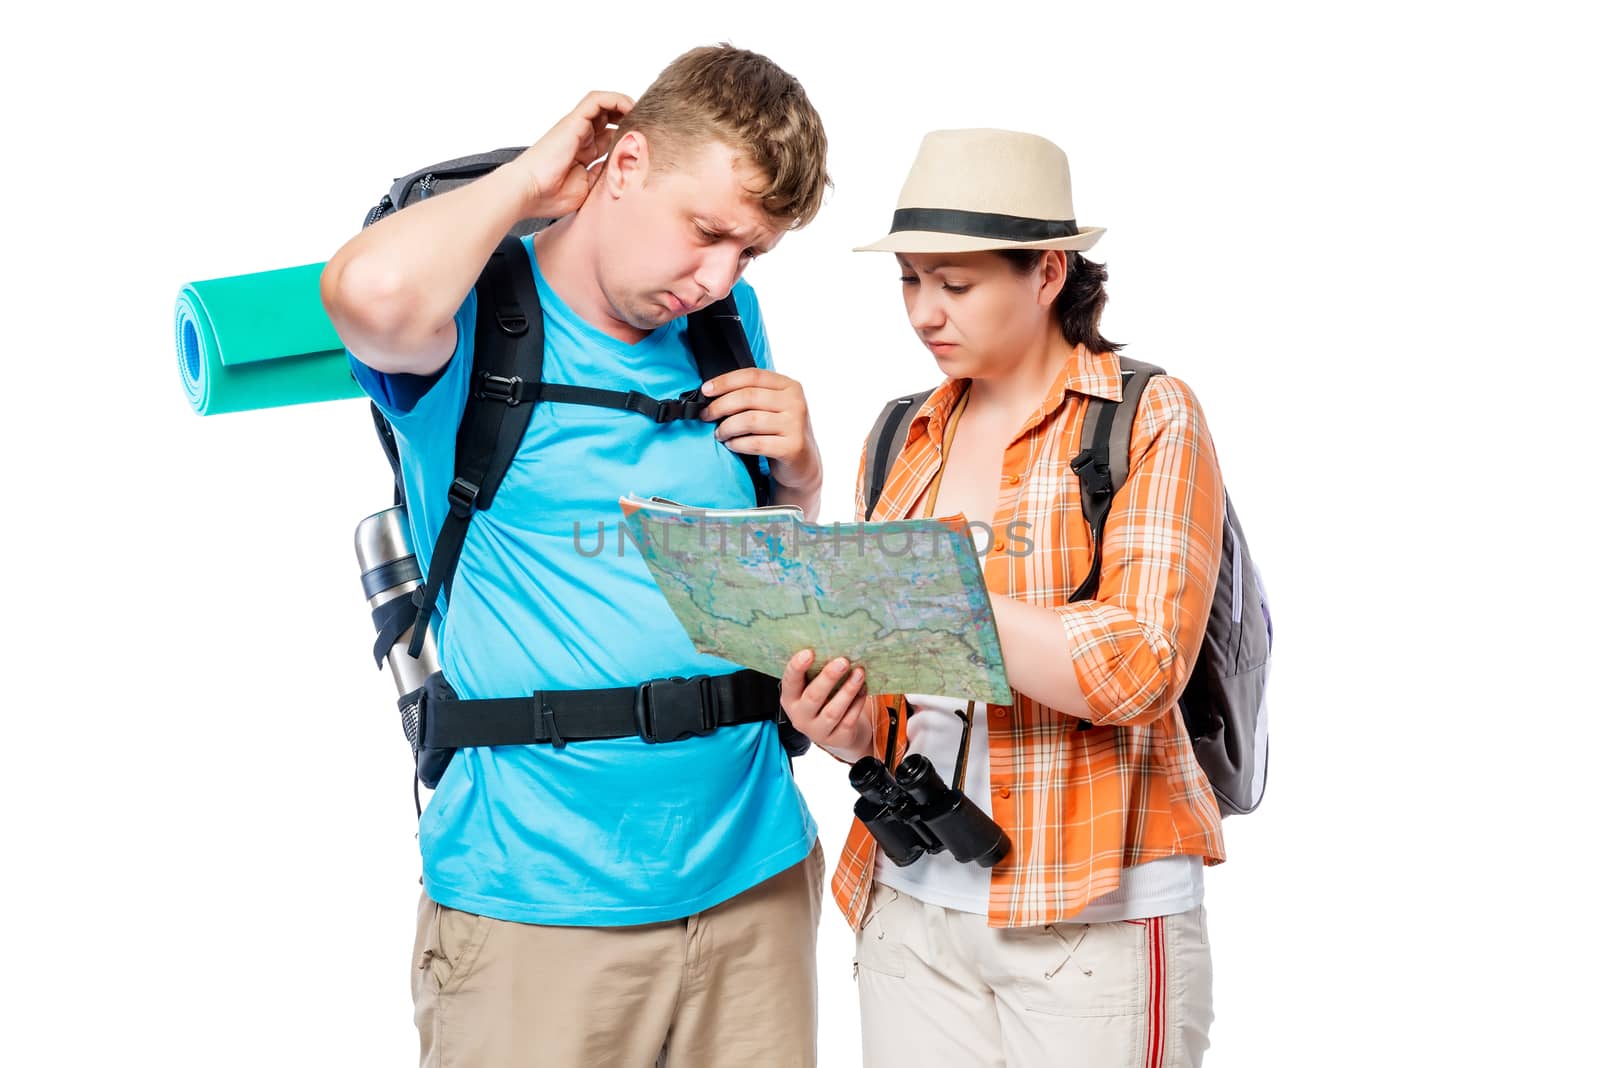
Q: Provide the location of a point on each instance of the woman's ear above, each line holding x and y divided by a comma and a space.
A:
1053, 269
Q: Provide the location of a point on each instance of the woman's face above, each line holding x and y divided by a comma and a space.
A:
977, 314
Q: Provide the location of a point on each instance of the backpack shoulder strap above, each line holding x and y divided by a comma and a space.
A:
443, 177
507, 369
719, 344
507, 366
1135, 376
1102, 461
887, 438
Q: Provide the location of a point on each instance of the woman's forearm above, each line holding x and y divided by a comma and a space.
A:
1038, 662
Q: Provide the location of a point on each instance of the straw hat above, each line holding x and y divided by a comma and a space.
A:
976, 190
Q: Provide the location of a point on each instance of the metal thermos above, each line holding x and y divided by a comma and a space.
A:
389, 569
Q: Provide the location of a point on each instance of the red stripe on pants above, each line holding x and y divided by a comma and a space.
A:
1156, 1011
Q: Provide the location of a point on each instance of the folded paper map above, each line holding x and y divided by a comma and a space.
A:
905, 600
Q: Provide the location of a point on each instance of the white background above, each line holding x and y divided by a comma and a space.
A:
1363, 233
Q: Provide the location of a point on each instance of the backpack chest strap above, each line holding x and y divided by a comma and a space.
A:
513, 391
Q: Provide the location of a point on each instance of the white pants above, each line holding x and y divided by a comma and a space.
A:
939, 987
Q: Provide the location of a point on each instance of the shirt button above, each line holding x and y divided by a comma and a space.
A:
999, 713
999, 545
1012, 480
1004, 791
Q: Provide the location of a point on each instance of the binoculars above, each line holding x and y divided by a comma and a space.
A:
911, 811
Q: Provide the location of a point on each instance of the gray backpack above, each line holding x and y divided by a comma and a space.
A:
1224, 704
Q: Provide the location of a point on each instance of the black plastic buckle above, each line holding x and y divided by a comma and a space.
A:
421, 740
644, 404
692, 402
434, 690
687, 405
463, 495
657, 411
512, 322
667, 710
494, 387
1093, 468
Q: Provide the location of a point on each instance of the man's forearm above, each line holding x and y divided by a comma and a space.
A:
405, 275
809, 501
798, 480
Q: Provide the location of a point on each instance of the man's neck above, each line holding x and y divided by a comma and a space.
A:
569, 261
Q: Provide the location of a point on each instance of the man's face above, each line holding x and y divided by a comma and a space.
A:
680, 236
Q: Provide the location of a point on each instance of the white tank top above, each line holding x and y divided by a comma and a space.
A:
1158, 888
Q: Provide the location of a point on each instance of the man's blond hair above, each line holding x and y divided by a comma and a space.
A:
752, 105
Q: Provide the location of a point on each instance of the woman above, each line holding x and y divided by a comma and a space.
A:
1085, 943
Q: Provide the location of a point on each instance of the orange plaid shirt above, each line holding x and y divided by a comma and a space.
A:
1080, 805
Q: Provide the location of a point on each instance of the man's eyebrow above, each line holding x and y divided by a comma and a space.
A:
717, 228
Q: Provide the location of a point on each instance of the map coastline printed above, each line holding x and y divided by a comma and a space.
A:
904, 599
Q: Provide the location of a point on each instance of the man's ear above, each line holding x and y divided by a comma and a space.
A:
628, 164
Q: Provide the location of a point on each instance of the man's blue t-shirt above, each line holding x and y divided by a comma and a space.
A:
606, 832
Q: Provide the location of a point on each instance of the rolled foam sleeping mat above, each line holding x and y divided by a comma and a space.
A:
259, 341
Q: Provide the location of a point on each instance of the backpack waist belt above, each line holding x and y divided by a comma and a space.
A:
662, 710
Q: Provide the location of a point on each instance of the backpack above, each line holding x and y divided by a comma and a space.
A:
507, 381
1223, 705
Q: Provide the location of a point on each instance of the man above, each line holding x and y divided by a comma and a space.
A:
603, 901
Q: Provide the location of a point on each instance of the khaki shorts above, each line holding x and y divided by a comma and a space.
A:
735, 985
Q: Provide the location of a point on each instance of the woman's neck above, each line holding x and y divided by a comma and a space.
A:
1015, 392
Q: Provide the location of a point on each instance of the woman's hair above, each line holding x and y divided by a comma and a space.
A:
1081, 300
